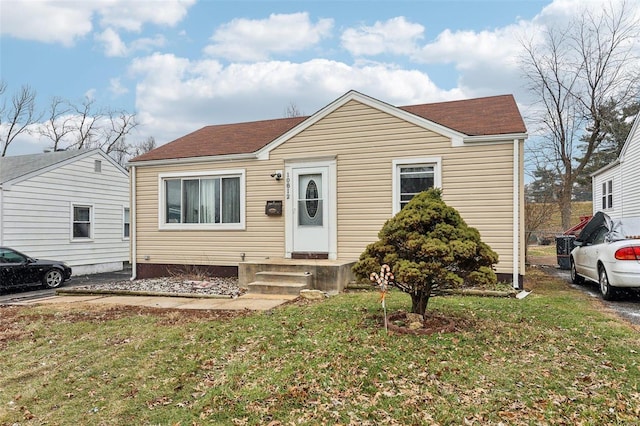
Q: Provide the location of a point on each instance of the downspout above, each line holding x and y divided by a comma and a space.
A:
132, 220
621, 191
516, 213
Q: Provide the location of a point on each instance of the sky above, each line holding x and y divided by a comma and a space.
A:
180, 65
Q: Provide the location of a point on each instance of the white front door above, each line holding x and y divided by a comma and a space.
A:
311, 210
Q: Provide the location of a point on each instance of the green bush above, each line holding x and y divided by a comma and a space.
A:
429, 246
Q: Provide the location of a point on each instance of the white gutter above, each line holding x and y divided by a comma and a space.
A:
516, 213
195, 160
132, 222
494, 138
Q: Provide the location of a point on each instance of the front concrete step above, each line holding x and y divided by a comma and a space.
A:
275, 282
283, 276
329, 276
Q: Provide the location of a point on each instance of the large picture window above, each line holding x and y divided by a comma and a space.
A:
214, 201
412, 176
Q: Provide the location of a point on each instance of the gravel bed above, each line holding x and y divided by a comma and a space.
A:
227, 286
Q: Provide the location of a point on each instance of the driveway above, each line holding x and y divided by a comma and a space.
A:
627, 306
16, 295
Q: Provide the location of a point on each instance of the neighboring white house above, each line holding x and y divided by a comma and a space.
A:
67, 205
616, 187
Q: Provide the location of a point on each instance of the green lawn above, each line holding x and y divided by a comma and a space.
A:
554, 357
536, 250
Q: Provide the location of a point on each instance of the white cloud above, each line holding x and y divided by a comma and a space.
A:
396, 36
257, 40
114, 46
112, 43
46, 21
116, 87
176, 96
64, 22
132, 15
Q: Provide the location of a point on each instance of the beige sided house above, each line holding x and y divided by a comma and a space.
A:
299, 198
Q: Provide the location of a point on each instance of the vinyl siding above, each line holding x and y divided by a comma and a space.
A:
476, 179
612, 174
630, 174
262, 238
37, 213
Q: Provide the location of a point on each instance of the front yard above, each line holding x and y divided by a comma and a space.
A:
554, 357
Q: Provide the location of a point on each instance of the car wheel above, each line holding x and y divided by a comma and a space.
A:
52, 278
575, 278
608, 292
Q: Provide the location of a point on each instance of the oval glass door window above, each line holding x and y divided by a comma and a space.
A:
310, 200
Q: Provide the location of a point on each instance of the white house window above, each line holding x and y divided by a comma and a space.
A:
97, 166
82, 222
126, 220
211, 201
412, 176
607, 195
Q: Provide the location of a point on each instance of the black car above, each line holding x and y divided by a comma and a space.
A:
18, 269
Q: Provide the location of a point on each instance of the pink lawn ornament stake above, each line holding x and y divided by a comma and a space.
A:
383, 281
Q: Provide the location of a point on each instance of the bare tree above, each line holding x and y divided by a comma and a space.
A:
293, 111
18, 116
144, 146
60, 123
574, 73
117, 126
537, 214
86, 127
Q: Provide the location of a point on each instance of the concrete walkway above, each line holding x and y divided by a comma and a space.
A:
252, 302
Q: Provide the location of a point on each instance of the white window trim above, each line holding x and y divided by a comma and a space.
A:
124, 237
436, 162
607, 195
162, 225
92, 223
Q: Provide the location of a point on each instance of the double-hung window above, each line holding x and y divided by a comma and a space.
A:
412, 176
82, 218
203, 201
607, 195
126, 223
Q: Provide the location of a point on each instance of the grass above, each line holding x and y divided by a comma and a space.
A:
536, 250
553, 357
553, 224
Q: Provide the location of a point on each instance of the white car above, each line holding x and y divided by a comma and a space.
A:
608, 253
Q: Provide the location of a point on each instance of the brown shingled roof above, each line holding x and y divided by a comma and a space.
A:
224, 139
494, 115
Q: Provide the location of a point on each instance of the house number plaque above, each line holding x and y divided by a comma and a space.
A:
288, 186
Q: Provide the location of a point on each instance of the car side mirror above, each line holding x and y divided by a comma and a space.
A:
578, 243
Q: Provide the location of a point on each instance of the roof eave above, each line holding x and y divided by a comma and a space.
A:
605, 168
495, 138
193, 160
